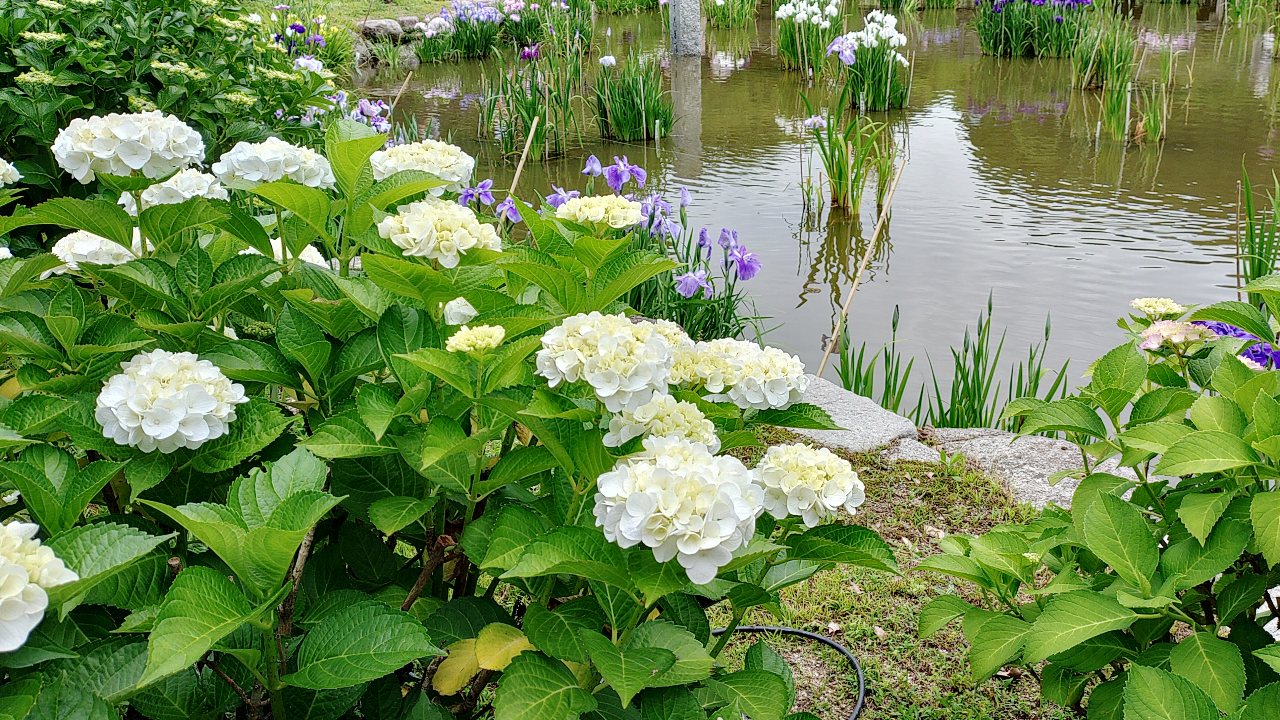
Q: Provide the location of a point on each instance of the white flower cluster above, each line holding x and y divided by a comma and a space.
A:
309, 254
249, 164
743, 372
612, 210
439, 230
458, 311
9, 174
27, 570
682, 502
436, 26
165, 401
83, 246
1174, 333
152, 143
809, 11
445, 161
879, 33
663, 416
1157, 306
475, 339
811, 483
626, 364
187, 184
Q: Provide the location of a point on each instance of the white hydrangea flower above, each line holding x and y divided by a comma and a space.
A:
458, 312
27, 570
743, 372
1175, 333
663, 416
807, 482
165, 401
475, 339
250, 164
1157, 306
150, 142
1252, 364
5, 252
186, 184
309, 254
9, 174
612, 210
445, 161
438, 230
674, 335
624, 363
83, 246
682, 502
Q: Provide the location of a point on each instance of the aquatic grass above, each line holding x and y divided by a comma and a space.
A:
630, 101
569, 29
1153, 113
875, 74
937, 4
730, 13
851, 149
625, 7
435, 49
803, 30
1105, 55
1035, 28
386, 55
535, 101
857, 370
1260, 250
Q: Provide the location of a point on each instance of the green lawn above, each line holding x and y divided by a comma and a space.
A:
351, 11
875, 614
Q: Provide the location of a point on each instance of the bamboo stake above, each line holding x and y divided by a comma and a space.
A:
403, 86
524, 154
862, 266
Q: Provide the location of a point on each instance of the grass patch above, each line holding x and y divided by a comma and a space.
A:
349, 13
910, 504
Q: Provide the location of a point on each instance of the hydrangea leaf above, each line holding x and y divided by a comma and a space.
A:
556, 632
757, 694
630, 671
1116, 532
1070, 619
96, 552
1265, 513
358, 643
536, 687
1206, 451
576, 551
498, 643
846, 544
458, 667
1154, 694
258, 422
1213, 665
693, 663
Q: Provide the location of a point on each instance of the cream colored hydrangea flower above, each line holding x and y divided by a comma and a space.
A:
1157, 307
83, 246
445, 161
151, 143
186, 184
475, 339
603, 210
807, 482
682, 502
27, 570
438, 230
309, 254
9, 174
1174, 333
249, 164
458, 312
165, 401
663, 416
625, 364
743, 372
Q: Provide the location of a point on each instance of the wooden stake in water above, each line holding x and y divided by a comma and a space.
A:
524, 154
862, 267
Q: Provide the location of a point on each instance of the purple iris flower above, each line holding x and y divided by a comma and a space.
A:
592, 167
561, 196
281, 8
482, 192
621, 172
298, 28
317, 40
704, 242
507, 208
685, 198
690, 283
1260, 352
728, 238
745, 264
530, 52
1058, 19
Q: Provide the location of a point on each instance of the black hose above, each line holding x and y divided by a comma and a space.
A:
848, 655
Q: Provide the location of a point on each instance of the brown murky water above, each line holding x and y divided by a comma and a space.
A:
1009, 188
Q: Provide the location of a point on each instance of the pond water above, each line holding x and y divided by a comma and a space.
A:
1008, 190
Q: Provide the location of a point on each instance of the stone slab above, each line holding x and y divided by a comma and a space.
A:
909, 450
865, 425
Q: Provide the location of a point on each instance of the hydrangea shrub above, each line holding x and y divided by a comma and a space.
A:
1155, 595
333, 446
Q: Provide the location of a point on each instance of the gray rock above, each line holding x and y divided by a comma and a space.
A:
910, 450
866, 425
407, 22
383, 29
409, 57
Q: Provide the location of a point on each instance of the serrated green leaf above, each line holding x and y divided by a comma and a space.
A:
1213, 665
757, 694
1264, 510
1153, 694
536, 687
390, 515
1116, 532
1072, 618
360, 642
1206, 451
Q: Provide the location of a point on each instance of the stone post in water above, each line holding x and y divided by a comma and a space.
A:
686, 28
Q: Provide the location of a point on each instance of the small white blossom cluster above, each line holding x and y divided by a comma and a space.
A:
809, 11
9, 174
458, 311
183, 186
663, 416
5, 253
682, 502
309, 254
445, 161
27, 570
811, 483
625, 364
250, 164
152, 143
83, 246
743, 372
436, 26
165, 401
1156, 306
475, 339
1174, 333
438, 230
612, 210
